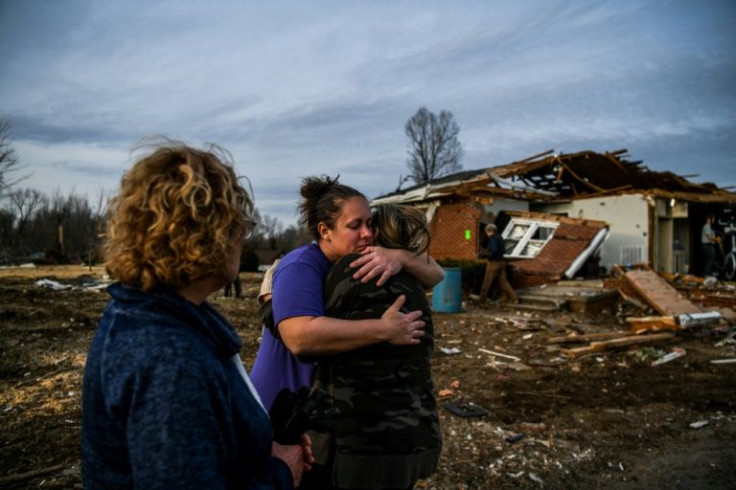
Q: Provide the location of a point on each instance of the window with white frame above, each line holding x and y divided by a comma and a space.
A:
524, 238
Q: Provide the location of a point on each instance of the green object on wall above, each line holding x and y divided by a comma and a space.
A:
468, 235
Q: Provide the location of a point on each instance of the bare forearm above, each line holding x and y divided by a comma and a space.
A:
324, 335
311, 336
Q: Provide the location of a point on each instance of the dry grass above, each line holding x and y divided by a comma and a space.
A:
58, 271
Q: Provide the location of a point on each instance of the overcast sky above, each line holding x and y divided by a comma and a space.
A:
297, 88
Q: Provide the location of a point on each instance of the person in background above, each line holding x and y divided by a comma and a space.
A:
236, 285
166, 400
493, 251
708, 241
386, 433
265, 295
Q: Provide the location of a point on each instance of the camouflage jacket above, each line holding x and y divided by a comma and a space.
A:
386, 434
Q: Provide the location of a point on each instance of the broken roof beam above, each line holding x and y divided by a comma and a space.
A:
710, 197
558, 218
620, 152
534, 157
580, 179
600, 171
505, 183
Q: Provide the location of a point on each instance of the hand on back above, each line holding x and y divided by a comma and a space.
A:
403, 328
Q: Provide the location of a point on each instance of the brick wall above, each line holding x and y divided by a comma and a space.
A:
520, 279
448, 229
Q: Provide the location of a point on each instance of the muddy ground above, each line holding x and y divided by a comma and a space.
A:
606, 420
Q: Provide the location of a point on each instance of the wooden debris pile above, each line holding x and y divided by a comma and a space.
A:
677, 313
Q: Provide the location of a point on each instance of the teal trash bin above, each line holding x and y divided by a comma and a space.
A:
447, 295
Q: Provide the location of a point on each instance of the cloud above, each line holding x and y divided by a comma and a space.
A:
296, 88
85, 168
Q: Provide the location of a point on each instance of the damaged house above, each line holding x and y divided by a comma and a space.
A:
567, 214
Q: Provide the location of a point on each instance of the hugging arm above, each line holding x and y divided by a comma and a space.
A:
382, 263
308, 336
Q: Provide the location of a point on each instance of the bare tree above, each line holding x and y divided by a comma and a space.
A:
7, 234
25, 202
96, 225
272, 227
434, 146
8, 160
292, 237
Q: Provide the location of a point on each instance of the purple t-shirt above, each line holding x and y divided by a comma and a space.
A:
298, 290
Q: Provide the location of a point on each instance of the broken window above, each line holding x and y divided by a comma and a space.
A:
525, 238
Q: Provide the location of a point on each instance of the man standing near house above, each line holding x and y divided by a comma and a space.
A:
708, 241
493, 252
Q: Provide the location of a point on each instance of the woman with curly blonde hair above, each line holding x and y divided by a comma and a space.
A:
166, 400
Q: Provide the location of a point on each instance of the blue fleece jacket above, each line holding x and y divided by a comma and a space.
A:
164, 405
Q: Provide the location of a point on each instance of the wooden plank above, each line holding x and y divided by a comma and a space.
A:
652, 323
571, 339
660, 294
19, 477
620, 342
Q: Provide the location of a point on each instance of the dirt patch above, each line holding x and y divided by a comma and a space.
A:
609, 420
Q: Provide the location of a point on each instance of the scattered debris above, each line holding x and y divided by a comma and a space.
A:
532, 427
515, 438
536, 478
699, 424
676, 353
728, 340
576, 338
688, 320
466, 410
56, 286
83, 284
561, 437
710, 281
490, 352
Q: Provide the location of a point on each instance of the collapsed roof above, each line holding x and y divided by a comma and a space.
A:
558, 253
552, 177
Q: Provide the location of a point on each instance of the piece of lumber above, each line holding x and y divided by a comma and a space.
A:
659, 293
620, 342
652, 323
723, 361
506, 356
574, 338
19, 477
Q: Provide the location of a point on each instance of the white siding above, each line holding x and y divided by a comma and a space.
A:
627, 215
